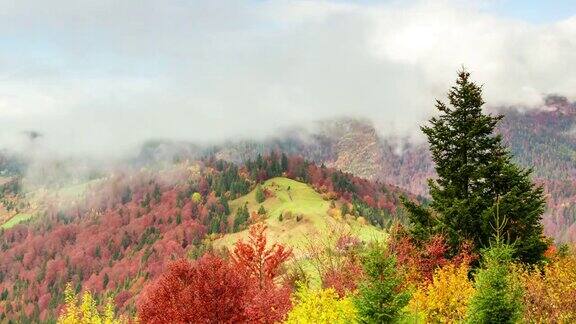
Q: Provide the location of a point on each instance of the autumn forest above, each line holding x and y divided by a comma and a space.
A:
282, 238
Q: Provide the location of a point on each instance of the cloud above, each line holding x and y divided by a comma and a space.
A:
100, 77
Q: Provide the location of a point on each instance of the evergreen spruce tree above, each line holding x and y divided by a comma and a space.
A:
284, 162
498, 296
474, 171
381, 296
259, 194
242, 216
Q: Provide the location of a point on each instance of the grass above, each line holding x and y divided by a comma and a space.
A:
16, 219
37, 199
77, 190
299, 199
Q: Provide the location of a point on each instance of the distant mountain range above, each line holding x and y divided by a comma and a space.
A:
542, 138
113, 228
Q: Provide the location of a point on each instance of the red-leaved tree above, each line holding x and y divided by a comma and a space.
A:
419, 261
259, 261
209, 290
215, 290
267, 301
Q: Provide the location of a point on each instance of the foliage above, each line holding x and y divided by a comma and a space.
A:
260, 196
196, 197
213, 289
228, 180
376, 216
498, 296
344, 279
445, 299
342, 183
543, 139
105, 243
258, 260
85, 311
418, 262
261, 264
336, 259
550, 292
475, 175
323, 306
208, 290
381, 296
241, 218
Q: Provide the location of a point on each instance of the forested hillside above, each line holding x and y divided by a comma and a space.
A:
131, 225
309, 226
545, 140
542, 138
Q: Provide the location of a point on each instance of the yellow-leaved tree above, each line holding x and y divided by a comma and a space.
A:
87, 312
550, 292
321, 306
445, 299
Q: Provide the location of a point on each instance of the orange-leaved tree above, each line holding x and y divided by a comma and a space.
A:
260, 261
550, 292
267, 300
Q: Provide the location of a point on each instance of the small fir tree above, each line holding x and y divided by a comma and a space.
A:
498, 297
260, 196
380, 297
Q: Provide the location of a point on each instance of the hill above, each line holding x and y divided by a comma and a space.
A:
296, 213
126, 228
542, 138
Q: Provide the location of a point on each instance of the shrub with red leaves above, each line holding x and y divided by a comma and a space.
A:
343, 279
209, 290
419, 261
214, 290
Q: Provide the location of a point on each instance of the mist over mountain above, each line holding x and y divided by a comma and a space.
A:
206, 71
541, 138
289, 161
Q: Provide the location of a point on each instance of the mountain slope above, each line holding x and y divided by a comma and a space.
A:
129, 225
296, 213
542, 138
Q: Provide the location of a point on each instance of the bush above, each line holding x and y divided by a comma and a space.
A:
196, 197
550, 292
446, 298
321, 306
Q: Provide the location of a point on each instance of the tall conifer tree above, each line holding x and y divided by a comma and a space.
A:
475, 171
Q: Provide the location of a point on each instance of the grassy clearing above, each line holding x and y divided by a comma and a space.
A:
302, 201
16, 219
77, 190
37, 199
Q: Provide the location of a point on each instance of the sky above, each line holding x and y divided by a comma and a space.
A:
533, 11
99, 77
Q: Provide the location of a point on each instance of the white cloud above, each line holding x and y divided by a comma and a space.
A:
101, 76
